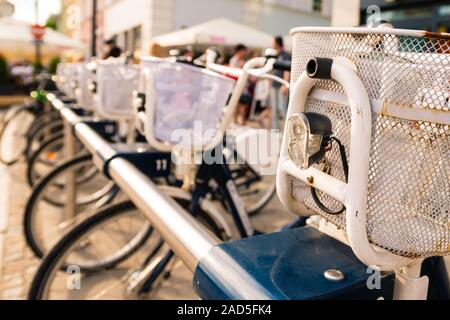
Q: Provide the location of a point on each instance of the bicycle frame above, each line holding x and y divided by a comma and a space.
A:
218, 174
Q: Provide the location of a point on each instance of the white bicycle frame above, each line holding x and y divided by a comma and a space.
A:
258, 67
353, 194
144, 121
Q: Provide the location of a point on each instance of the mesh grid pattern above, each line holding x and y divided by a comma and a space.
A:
67, 74
187, 98
409, 176
84, 97
115, 85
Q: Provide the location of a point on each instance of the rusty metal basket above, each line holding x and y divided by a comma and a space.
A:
407, 77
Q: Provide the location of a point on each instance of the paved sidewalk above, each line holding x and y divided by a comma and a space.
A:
17, 263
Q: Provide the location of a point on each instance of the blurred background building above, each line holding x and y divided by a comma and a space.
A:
430, 15
135, 22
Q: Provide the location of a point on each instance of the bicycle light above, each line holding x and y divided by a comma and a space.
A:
74, 84
309, 134
92, 86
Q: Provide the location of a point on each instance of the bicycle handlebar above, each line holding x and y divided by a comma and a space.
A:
259, 67
282, 65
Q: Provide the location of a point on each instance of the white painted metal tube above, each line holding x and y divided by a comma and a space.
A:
235, 72
299, 94
358, 30
321, 181
355, 192
233, 104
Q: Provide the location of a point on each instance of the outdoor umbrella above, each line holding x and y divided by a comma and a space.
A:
219, 32
16, 41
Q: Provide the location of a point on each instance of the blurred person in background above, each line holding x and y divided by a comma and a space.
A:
279, 94
184, 55
240, 56
238, 60
112, 50
22, 72
189, 53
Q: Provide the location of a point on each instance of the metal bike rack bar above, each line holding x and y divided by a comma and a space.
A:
189, 240
181, 231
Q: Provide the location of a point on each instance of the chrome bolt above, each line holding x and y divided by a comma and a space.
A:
334, 275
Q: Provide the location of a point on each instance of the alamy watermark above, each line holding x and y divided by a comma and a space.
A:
374, 279
375, 18
73, 277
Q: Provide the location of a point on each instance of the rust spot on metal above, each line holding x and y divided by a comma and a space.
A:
360, 113
384, 110
437, 35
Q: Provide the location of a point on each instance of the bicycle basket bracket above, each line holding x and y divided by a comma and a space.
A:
406, 74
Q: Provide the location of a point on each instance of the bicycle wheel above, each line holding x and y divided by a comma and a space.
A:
47, 217
42, 119
45, 158
100, 232
13, 134
255, 190
40, 135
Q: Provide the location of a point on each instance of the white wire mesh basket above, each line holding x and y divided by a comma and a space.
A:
83, 95
187, 102
116, 82
66, 78
407, 77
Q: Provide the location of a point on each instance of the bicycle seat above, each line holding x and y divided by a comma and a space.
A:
296, 264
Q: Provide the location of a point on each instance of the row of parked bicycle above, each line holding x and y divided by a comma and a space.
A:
364, 162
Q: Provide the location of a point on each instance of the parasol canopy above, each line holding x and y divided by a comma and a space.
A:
220, 32
17, 42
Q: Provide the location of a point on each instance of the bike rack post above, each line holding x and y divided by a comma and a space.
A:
188, 239
70, 189
69, 118
181, 231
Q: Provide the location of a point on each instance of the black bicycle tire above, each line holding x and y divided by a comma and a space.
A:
56, 170
51, 259
41, 119
255, 210
32, 137
23, 108
35, 196
47, 264
31, 181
